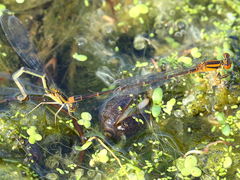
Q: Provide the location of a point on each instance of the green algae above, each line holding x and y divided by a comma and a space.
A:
123, 36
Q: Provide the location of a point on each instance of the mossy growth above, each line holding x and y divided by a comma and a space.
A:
114, 40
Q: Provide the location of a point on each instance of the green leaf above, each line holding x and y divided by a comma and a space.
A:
37, 137
20, 1
185, 172
86, 3
185, 60
180, 163
31, 140
60, 171
142, 8
33, 135
227, 162
226, 130
85, 123
141, 64
195, 53
102, 155
174, 44
190, 161
156, 110
157, 96
169, 106
196, 172
79, 173
134, 12
31, 130
81, 122
83, 147
86, 116
79, 57
220, 117
139, 42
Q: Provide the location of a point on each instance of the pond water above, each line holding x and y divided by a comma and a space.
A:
155, 116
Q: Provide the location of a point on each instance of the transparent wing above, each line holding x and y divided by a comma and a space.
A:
18, 37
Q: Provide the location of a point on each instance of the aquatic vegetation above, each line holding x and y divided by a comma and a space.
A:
157, 102
99, 157
188, 166
191, 123
79, 57
85, 119
33, 135
137, 10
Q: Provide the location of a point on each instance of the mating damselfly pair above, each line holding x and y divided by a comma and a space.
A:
18, 37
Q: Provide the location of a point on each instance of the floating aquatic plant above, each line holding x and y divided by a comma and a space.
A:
85, 120
33, 135
80, 57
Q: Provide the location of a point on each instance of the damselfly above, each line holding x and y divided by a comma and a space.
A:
147, 80
18, 37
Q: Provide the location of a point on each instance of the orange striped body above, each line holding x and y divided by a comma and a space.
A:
213, 65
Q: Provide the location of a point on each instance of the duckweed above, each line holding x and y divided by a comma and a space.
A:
86, 115
220, 117
169, 106
100, 157
33, 135
157, 96
85, 120
186, 60
196, 172
155, 110
227, 162
136, 38
137, 10
226, 130
80, 57
195, 53
188, 166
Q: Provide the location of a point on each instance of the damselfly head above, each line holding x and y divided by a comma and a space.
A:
72, 107
227, 62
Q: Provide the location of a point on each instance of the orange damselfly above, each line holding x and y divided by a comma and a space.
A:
129, 83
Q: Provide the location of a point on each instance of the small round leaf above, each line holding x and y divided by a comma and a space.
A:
156, 110
196, 172
157, 96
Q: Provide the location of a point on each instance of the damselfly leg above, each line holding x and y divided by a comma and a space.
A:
53, 94
21, 87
